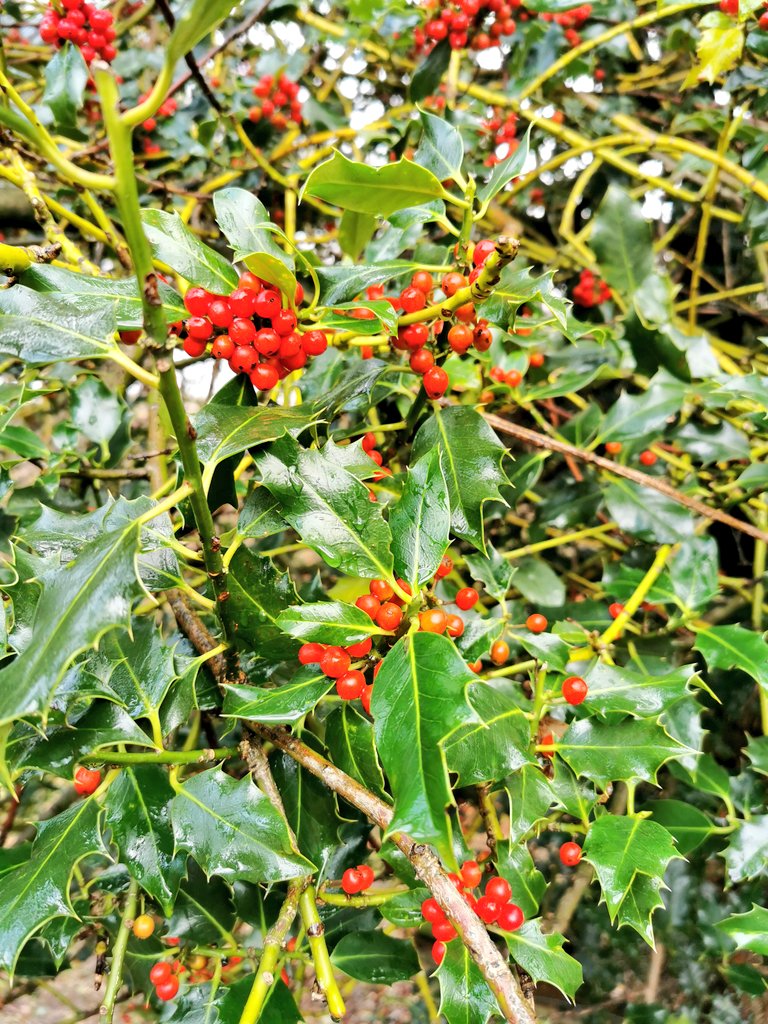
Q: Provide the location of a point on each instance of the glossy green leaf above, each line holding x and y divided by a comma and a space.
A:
260, 515
38, 891
745, 854
419, 699
329, 509
225, 430
365, 189
258, 593
138, 667
515, 863
66, 75
538, 583
548, 648
493, 746
621, 240
420, 521
493, 571
352, 747
173, 243
277, 705
530, 797
328, 622
195, 21
247, 226
621, 751
355, 232
232, 830
726, 647
693, 572
686, 824
636, 416
429, 73
83, 600
748, 931
506, 170
310, 807
464, 996
645, 696
137, 812
441, 149
342, 284
647, 514
375, 958
478, 637
471, 457
40, 328
757, 752
543, 957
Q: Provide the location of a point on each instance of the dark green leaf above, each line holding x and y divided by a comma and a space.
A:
376, 190
260, 515
687, 825
420, 521
173, 243
505, 170
745, 855
493, 746
647, 514
310, 807
748, 931
441, 149
40, 328
427, 76
725, 647
375, 958
515, 863
543, 957
621, 751
328, 622
66, 75
464, 996
277, 705
247, 225
621, 239
350, 740
530, 798
258, 593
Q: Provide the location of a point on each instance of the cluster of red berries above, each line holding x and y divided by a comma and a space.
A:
87, 781
355, 880
477, 24
258, 335
570, 21
279, 102
646, 457
164, 979
591, 290
514, 378
502, 130
88, 27
731, 7
494, 907
166, 109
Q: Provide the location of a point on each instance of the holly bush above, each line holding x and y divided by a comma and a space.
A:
384, 419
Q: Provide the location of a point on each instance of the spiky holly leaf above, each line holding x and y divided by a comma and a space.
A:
492, 570
726, 647
377, 190
748, 931
530, 798
38, 891
543, 957
328, 622
351, 743
420, 521
232, 830
494, 745
137, 811
622, 849
310, 806
419, 699
745, 854
635, 693
687, 825
471, 458
757, 752
618, 751
515, 863
258, 593
375, 958
138, 667
464, 996
277, 705
329, 508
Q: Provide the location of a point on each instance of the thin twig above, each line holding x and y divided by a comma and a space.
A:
189, 59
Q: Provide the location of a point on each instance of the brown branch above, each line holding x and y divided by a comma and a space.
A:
189, 60
189, 623
496, 971
537, 440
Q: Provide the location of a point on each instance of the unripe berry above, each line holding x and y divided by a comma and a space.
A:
500, 652
433, 621
143, 926
454, 626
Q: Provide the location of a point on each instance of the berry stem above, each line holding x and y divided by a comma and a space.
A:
266, 974
322, 961
115, 982
160, 757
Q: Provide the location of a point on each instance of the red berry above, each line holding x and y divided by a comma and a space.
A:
220, 313
350, 685
467, 598
436, 30
499, 652
451, 283
314, 343
431, 911
198, 301
510, 917
570, 854
537, 623
514, 378
548, 740
310, 654
87, 780
445, 567
498, 889
366, 875
471, 873
160, 972
223, 347
390, 616
412, 300
199, 327
615, 609
575, 689
243, 360
351, 882
334, 662
167, 989
436, 382
433, 621
242, 332
264, 377
422, 280
365, 698
438, 952
487, 909
414, 336
267, 341
359, 650
460, 338
370, 604
762, 21
422, 360
380, 588
482, 251
647, 458
454, 626
536, 359
193, 348
129, 337
443, 931
613, 447
267, 303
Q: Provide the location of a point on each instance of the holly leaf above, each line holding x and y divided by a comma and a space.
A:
66, 75
548, 648
471, 457
726, 647
310, 807
614, 689
745, 854
748, 931
329, 508
138, 667
351, 743
478, 636
757, 752
464, 996
420, 521
543, 957
247, 226
506, 170
515, 863
441, 149
173, 243
232, 830
621, 239
225, 430
718, 49
419, 699
530, 798
375, 958
685, 823
80, 602
137, 811
621, 751
41, 328
328, 622
493, 571
277, 705
647, 514
38, 891
622, 848
366, 189
258, 593
492, 746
